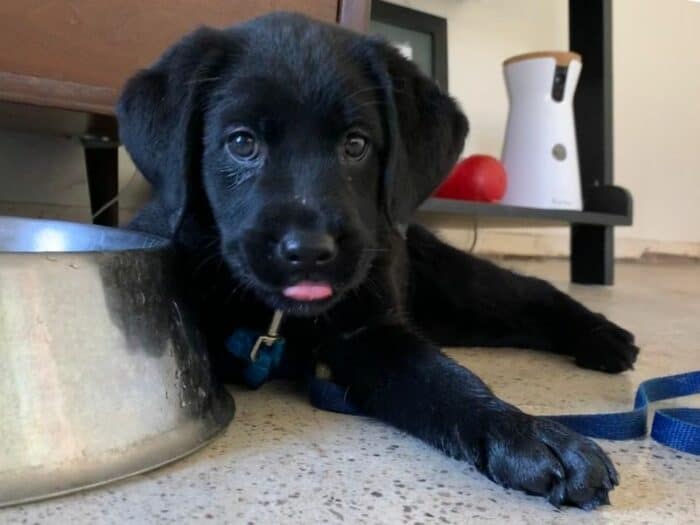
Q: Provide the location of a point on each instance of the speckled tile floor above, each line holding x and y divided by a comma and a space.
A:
282, 461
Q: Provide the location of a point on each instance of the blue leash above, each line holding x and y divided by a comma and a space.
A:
678, 428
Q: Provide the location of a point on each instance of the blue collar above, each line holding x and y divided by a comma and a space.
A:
261, 353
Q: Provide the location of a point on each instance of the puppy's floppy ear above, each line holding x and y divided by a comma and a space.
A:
160, 123
426, 131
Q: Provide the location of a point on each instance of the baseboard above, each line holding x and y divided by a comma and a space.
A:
555, 243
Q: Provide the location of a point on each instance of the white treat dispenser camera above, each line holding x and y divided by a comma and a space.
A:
539, 152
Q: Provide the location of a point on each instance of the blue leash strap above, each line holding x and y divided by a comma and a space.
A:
330, 396
678, 428
261, 357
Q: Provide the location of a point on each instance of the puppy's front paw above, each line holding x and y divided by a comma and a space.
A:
544, 458
606, 347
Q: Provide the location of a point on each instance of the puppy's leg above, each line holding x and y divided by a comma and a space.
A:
460, 300
396, 376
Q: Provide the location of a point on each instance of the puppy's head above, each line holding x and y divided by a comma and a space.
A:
304, 144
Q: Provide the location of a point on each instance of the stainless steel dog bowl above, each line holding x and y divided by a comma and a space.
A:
102, 374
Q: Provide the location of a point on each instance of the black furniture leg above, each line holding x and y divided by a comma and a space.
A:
592, 254
590, 33
102, 166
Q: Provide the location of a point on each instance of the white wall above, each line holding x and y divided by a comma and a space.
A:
656, 59
657, 115
481, 34
657, 121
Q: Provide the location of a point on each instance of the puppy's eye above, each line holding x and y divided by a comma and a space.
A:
243, 145
355, 147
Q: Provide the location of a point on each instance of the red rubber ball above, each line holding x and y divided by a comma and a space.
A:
476, 178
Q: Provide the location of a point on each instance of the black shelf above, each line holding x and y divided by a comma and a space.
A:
447, 212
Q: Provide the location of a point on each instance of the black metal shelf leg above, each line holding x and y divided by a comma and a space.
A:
590, 33
592, 254
102, 166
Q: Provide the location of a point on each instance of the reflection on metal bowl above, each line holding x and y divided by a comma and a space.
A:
102, 372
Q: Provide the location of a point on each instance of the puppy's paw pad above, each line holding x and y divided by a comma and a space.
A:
544, 458
607, 348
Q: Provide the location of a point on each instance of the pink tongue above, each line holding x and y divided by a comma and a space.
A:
308, 291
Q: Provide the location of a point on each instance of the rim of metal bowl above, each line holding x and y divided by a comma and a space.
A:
22, 235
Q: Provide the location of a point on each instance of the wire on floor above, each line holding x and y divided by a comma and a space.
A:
475, 234
115, 199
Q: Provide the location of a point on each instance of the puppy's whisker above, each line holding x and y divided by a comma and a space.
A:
204, 262
375, 101
232, 293
235, 175
360, 91
373, 287
243, 286
369, 104
202, 80
213, 242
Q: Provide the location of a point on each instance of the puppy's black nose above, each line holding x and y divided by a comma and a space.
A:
300, 248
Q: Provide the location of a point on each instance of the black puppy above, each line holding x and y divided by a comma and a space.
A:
287, 157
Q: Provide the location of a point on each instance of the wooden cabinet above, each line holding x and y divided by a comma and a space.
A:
63, 62
76, 54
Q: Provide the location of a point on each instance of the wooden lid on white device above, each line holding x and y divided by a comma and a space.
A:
563, 58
